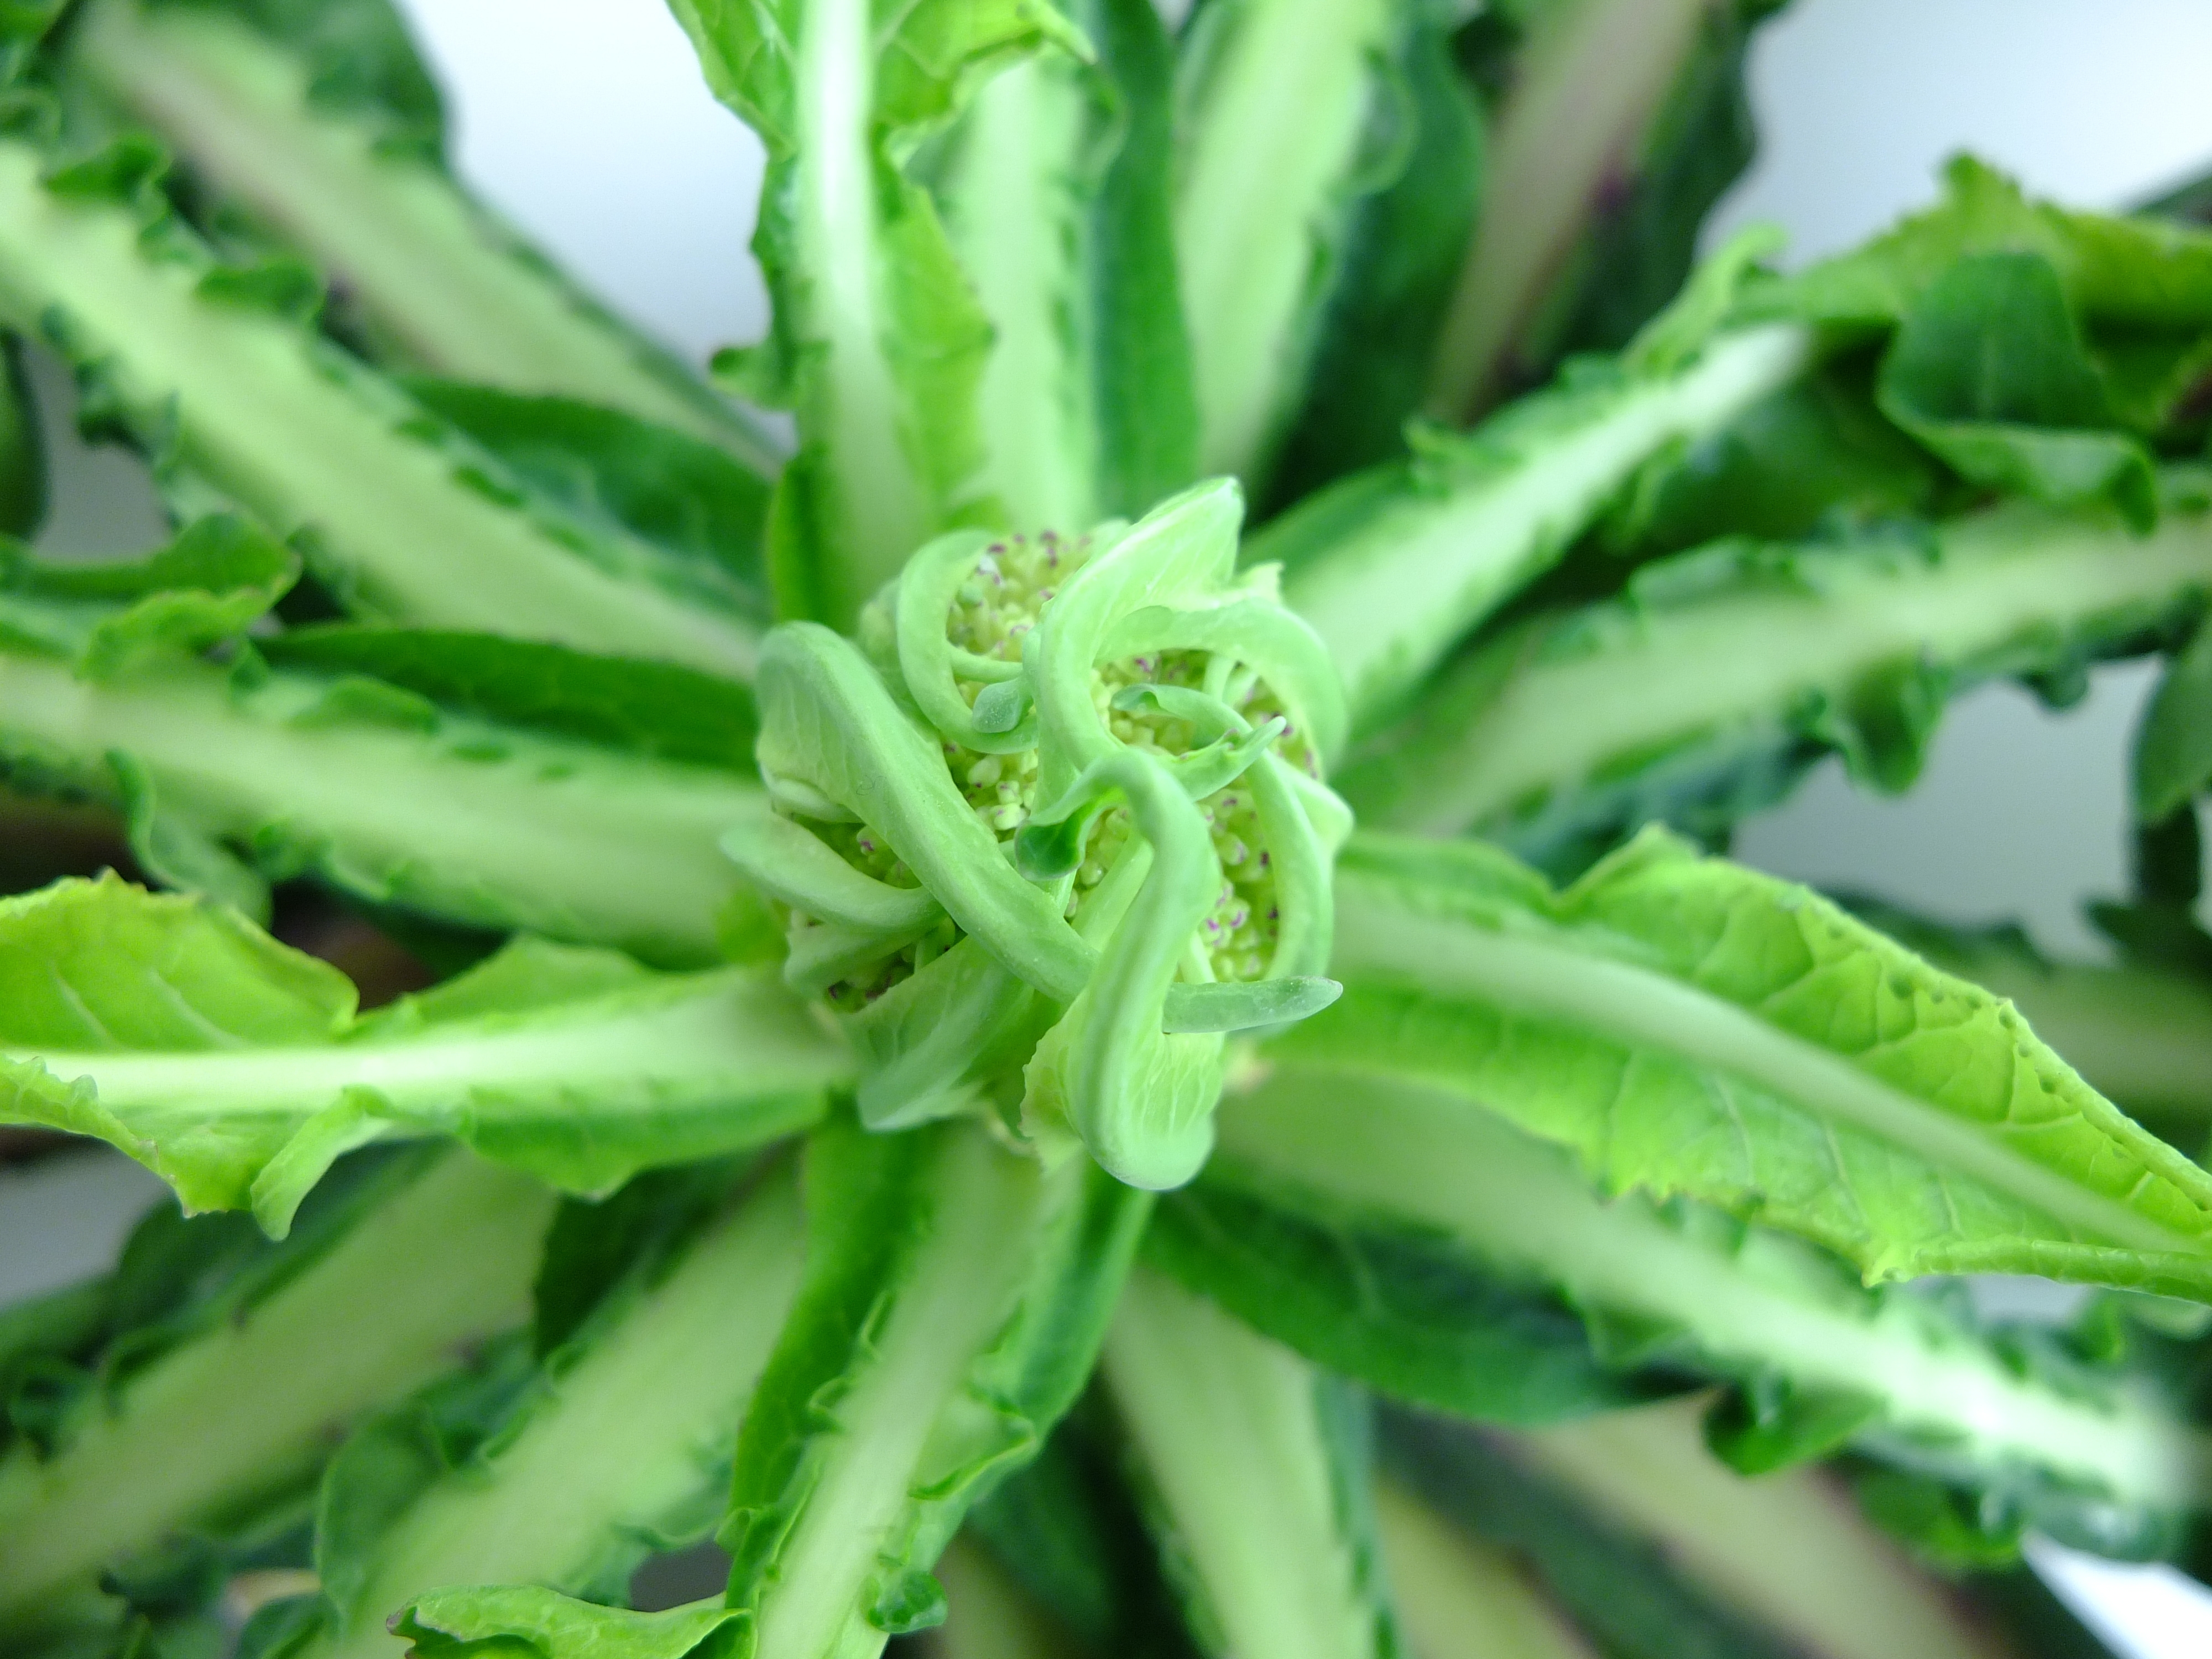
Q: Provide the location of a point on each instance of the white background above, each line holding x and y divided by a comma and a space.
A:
585, 122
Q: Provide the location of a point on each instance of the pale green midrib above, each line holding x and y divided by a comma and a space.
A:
1290, 97
1580, 98
1642, 1008
953, 1298
1390, 603
699, 1039
1012, 214
297, 442
1512, 1203
1231, 1444
424, 259
882, 511
630, 1434
1688, 670
619, 850
445, 1263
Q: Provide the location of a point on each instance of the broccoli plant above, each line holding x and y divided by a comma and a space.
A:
1101, 1006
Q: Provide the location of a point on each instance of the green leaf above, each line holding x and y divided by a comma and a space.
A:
1055, 196
1449, 1587
2137, 273
622, 473
876, 339
247, 1073
1255, 1467
618, 1445
1688, 1026
1706, 690
1301, 82
234, 1404
1988, 370
1655, 1549
1814, 457
2173, 745
215, 580
619, 703
318, 124
402, 517
1392, 566
403, 803
1402, 249
22, 450
1391, 1306
517, 1620
2139, 1030
1618, 127
954, 1300
2095, 1453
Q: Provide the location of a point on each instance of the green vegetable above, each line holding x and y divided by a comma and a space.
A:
229, 1408
1707, 689
1257, 1470
888, 900
404, 518
2095, 1455
320, 123
566, 1482
1393, 565
1619, 126
1687, 1026
238, 1070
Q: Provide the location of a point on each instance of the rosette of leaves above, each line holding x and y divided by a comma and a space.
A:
1057, 815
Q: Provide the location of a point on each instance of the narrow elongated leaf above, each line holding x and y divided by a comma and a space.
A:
876, 339
619, 1444
240, 1409
1629, 1526
494, 823
1452, 1589
1302, 82
954, 1302
1055, 201
1256, 1467
622, 474
1706, 690
1401, 253
235, 401
2095, 1453
1393, 565
245, 1072
320, 123
1686, 1026
1621, 123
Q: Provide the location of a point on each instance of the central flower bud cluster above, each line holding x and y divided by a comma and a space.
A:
1056, 819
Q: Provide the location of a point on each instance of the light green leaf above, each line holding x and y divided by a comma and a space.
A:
511, 1621
876, 340
551, 821
234, 1067
619, 1445
1301, 82
954, 1301
428, 1257
1687, 1026
405, 519
1392, 566
1254, 1465
1705, 691
2100, 1454
323, 126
